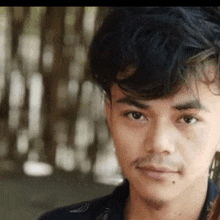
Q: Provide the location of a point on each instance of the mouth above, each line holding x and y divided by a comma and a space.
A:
157, 173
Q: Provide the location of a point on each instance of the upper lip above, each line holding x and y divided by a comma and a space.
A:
157, 169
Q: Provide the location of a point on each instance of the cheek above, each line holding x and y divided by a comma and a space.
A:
200, 150
127, 142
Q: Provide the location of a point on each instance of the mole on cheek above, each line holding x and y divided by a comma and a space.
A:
173, 182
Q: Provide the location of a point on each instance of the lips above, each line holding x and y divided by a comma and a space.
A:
158, 169
157, 173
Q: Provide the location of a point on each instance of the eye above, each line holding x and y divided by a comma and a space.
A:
137, 116
188, 119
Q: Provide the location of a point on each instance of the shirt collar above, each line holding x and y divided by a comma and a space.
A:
120, 195
212, 193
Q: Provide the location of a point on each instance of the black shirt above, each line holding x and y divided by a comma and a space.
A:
111, 207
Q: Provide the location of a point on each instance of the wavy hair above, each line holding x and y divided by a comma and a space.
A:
152, 51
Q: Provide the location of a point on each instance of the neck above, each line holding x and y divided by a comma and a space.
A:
186, 206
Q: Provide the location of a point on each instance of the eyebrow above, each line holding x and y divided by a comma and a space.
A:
131, 101
192, 104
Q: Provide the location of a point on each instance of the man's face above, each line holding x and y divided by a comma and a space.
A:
165, 146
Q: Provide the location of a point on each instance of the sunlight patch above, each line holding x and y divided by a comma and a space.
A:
35, 168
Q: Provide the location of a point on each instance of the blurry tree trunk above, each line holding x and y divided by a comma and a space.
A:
45, 29
73, 110
53, 26
45, 26
92, 152
94, 146
16, 21
102, 12
78, 27
73, 115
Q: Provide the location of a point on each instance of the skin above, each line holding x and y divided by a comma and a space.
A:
176, 133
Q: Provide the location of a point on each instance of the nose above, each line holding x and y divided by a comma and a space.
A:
161, 138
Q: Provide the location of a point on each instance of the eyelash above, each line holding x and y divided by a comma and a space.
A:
190, 116
187, 116
126, 114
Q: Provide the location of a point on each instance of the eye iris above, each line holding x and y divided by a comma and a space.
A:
136, 115
188, 119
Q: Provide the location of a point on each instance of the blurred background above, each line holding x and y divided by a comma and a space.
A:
55, 148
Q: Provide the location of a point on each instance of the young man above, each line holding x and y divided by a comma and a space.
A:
159, 68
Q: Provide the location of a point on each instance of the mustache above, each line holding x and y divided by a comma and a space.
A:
158, 160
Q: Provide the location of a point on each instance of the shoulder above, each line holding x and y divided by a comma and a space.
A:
87, 210
107, 207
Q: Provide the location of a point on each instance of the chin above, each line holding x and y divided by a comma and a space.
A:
156, 192
156, 204
154, 196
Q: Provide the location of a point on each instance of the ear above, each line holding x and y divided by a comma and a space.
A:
108, 109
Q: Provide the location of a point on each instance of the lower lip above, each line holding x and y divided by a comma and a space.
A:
156, 175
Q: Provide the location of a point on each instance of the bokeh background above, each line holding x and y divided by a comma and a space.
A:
55, 148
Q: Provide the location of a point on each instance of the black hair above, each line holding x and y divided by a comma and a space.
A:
152, 51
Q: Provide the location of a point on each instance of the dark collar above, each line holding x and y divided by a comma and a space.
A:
212, 193
120, 195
